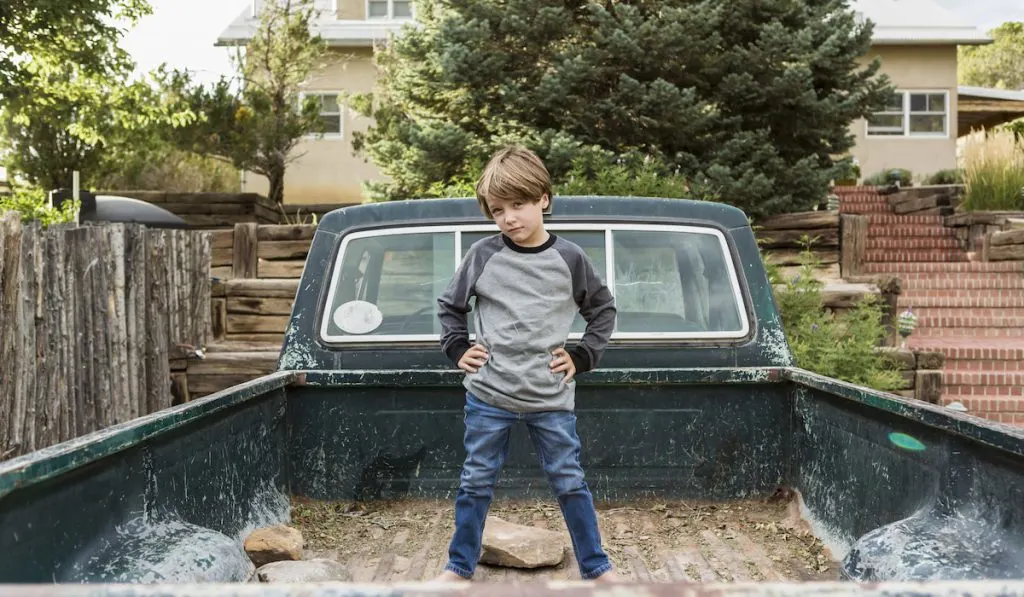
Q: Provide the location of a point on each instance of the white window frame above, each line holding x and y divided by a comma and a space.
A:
906, 113
609, 278
340, 134
391, 12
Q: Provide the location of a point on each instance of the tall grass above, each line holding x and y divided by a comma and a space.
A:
993, 165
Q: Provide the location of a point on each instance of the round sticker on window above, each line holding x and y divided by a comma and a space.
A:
357, 317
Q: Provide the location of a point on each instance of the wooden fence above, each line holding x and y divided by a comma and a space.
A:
96, 323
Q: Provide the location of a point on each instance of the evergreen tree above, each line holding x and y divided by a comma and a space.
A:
751, 97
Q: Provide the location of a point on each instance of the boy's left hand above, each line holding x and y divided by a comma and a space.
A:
562, 362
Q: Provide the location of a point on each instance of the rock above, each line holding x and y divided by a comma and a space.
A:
165, 551
319, 570
273, 544
518, 546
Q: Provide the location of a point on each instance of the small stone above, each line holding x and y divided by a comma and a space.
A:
518, 546
273, 544
318, 570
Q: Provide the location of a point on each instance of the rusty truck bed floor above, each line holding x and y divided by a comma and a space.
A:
652, 541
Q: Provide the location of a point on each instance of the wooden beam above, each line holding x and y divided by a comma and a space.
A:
246, 246
261, 287
801, 220
853, 244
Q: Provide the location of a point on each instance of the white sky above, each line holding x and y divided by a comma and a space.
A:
182, 32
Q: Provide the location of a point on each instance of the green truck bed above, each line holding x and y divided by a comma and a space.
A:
713, 459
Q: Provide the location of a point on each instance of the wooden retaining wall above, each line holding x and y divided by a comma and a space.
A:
96, 326
782, 240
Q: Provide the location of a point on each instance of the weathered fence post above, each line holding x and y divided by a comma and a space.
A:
852, 244
10, 283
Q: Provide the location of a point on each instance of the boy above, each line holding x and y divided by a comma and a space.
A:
529, 284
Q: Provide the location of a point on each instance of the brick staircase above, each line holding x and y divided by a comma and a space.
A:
970, 311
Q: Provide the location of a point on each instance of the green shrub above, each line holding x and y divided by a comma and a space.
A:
993, 171
885, 177
32, 204
843, 346
948, 176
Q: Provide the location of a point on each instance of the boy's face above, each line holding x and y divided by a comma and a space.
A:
522, 221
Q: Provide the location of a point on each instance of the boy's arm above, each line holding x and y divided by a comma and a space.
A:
597, 307
453, 306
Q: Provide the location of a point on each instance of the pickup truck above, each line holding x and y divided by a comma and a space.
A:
712, 457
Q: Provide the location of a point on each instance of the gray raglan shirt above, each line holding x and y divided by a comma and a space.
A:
526, 300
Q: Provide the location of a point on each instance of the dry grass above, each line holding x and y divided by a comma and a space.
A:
993, 164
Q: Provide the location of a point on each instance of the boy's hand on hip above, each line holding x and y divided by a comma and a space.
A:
563, 362
474, 358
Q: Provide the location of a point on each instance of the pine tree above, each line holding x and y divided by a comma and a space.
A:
755, 97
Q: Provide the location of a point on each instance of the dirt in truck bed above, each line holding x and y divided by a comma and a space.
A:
649, 541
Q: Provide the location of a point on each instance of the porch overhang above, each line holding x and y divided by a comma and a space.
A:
982, 107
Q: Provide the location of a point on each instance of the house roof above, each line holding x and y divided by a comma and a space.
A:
991, 93
896, 22
916, 22
335, 32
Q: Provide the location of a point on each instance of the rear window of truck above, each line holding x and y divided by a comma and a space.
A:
669, 282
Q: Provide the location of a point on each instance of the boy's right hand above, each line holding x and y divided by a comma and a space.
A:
474, 358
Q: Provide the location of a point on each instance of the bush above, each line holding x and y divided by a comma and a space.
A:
993, 171
948, 176
843, 346
168, 169
32, 204
886, 177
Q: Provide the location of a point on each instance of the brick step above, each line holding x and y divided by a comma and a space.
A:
972, 349
1009, 365
962, 267
1011, 379
911, 231
998, 299
977, 404
958, 293
866, 208
929, 330
913, 244
914, 256
1009, 314
900, 220
1011, 419
914, 282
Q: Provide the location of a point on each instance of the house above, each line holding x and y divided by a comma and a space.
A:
916, 39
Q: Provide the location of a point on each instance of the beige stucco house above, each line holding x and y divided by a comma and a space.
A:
916, 40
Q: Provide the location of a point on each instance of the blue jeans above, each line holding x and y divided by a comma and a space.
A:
558, 449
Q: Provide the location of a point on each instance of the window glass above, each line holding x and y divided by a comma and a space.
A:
664, 281
402, 275
673, 282
403, 10
378, 10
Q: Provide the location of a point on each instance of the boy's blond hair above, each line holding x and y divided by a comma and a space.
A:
513, 173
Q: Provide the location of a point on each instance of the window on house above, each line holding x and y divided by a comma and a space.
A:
911, 114
389, 9
330, 112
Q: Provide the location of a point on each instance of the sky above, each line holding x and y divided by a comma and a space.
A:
182, 32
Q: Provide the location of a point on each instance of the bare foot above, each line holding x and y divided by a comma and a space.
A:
449, 576
608, 577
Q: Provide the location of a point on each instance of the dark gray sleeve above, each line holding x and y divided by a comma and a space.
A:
453, 305
597, 307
